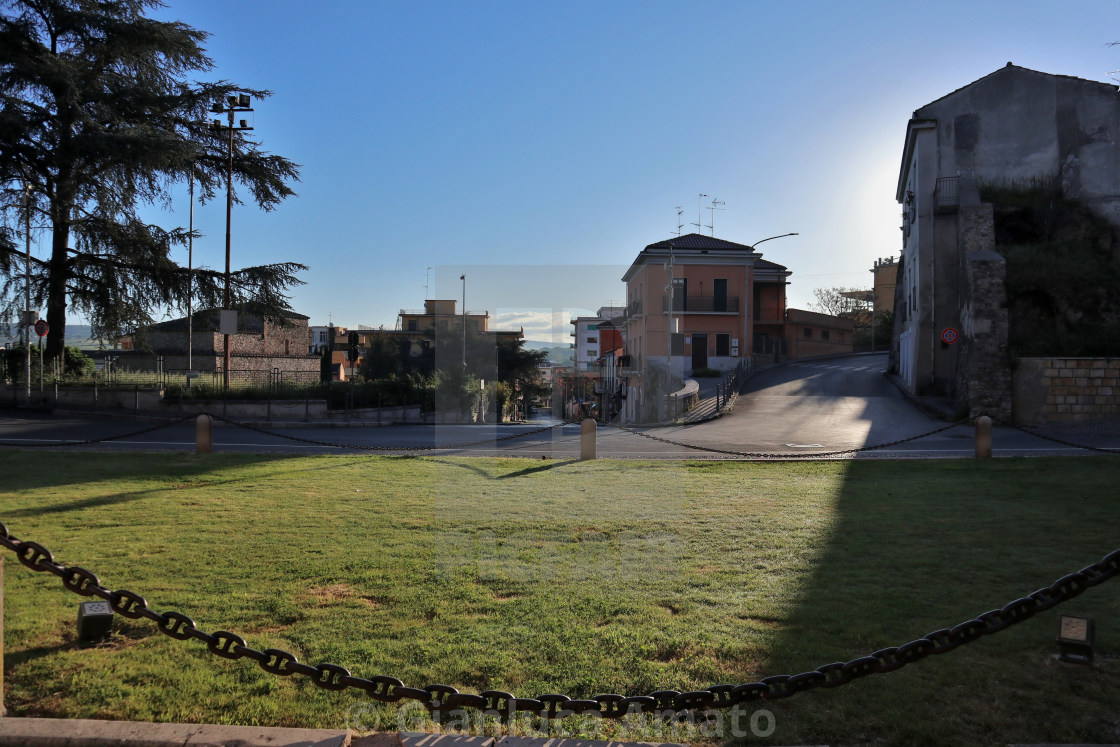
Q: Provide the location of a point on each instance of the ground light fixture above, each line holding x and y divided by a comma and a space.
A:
1075, 639
95, 620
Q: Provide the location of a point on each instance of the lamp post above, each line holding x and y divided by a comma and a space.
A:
190, 283
463, 277
28, 321
239, 103
747, 310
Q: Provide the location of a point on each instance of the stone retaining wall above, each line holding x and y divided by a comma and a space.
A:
1066, 389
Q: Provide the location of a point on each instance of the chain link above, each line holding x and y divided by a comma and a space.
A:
366, 447
265, 431
103, 439
778, 455
1032, 432
444, 698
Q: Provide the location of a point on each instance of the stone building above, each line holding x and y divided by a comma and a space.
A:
1010, 128
260, 347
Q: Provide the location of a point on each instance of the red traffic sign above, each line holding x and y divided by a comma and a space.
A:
949, 335
41, 327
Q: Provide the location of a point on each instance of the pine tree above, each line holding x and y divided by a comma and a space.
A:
99, 119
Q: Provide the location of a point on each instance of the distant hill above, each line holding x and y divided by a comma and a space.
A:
556, 353
76, 333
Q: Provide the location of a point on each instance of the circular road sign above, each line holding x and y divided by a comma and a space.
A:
949, 335
41, 327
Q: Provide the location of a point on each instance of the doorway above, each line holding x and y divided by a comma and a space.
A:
699, 350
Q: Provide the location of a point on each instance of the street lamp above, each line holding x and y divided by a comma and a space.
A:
780, 236
463, 277
239, 103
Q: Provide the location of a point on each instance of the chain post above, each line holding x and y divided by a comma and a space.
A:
204, 434
983, 437
587, 439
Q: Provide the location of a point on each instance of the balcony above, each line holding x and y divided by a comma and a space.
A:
947, 194
702, 304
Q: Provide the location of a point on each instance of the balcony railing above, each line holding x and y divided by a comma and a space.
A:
702, 304
946, 194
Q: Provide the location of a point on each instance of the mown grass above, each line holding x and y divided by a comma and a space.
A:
573, 577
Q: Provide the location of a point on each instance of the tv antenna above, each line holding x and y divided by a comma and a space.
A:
699, 214
715, 206
680, 212
427, 272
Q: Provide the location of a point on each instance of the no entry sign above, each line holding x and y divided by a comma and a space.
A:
949, 335
41, 327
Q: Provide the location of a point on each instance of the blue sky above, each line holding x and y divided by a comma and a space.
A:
539, 146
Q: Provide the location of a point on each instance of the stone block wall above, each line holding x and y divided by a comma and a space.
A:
1079, 388
982, 377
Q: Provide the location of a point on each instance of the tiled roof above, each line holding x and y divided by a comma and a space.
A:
765, 264
211, 316
699, 241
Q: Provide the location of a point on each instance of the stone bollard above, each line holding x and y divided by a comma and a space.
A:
587, 439
983, 437
204, 434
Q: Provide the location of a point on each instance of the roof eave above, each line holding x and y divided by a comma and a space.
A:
912, 129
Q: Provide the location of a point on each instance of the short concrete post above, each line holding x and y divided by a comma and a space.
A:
983, 437
204, 434
587, 439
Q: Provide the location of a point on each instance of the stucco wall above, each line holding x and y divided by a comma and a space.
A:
1016, 124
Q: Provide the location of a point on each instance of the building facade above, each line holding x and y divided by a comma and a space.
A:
695, 303
1011, 128
260, 350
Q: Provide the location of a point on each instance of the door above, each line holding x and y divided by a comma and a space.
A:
699, 351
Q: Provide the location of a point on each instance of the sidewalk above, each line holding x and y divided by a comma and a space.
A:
49, 732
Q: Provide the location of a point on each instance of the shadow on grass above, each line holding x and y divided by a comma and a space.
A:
913, 547
489, 475
46, 470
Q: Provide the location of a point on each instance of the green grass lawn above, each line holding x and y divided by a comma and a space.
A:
555, 576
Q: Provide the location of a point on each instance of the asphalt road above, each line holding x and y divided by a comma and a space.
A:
790, 411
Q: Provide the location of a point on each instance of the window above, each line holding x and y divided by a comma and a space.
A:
808, 332
824, 334
719, 296
723, 344
592, 340
411, 325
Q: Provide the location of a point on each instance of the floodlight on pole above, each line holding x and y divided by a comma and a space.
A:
239, 103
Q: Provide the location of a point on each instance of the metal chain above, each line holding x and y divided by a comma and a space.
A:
88, 441
503, 704
367, 447
776, 455
1032, 432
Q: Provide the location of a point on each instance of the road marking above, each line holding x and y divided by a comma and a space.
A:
805, 446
